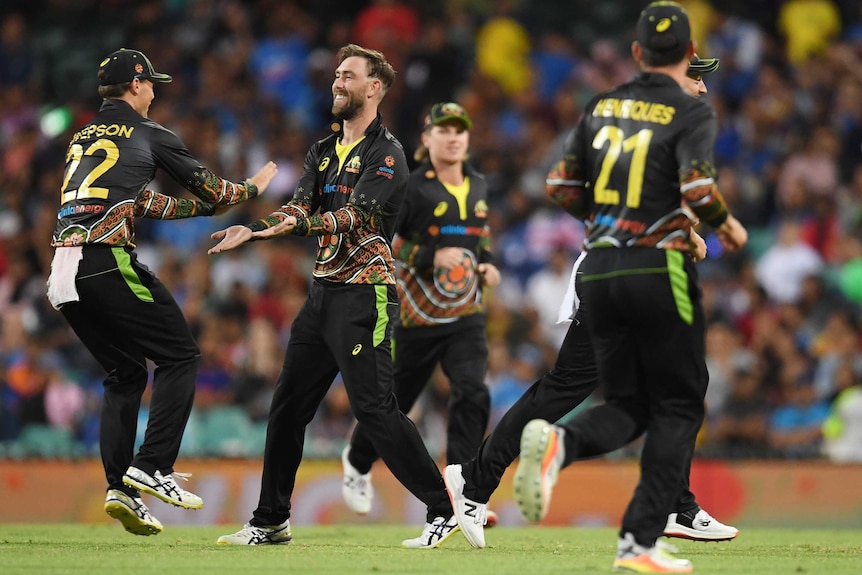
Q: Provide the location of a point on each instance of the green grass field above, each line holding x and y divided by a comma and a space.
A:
97, 549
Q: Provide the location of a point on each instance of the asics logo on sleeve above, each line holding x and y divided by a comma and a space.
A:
356, 349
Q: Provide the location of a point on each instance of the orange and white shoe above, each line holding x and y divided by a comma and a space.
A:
659, 558
490, 519
542, 457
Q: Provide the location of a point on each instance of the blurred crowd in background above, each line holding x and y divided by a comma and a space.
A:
252, 82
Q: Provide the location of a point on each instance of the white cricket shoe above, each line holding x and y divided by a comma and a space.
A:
659, 558
356, 487
251, 535
163, 486
132, 513
699, 526
434, 533
470, 515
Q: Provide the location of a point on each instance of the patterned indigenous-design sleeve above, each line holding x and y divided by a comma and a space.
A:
565, 184
483, 248
305, 199
150, 204
697, 175
408, 245
172, 156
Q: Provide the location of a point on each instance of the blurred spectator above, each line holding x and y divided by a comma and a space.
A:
808, 26
545, 291
842, 430
795, 426
389, 26
280, 60
785, 265
740, 430
503, 49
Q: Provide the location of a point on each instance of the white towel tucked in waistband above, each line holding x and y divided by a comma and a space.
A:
569, 307
61, 283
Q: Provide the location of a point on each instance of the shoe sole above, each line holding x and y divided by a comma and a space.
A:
439, 543
539, 446
643, 567
693, 535
450, 489
131, 522
147, 489
285, 542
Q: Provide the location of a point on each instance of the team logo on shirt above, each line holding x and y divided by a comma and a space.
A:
324, 163
387, 171
481, 209
354, 165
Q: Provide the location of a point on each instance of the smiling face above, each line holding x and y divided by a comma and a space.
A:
447, 142
351, 88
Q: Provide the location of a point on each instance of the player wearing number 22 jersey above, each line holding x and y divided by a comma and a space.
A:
117, 307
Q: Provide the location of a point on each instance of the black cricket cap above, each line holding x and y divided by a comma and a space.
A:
702, 66
445, 111
663, 27
124, 66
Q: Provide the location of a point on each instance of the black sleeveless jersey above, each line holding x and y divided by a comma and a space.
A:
637, 153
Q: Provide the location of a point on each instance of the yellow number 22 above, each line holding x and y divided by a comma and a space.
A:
73, 160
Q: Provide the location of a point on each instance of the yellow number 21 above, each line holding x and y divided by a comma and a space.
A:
617, 144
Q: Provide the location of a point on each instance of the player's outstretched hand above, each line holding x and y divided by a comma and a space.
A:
230, 238
490, 274
732, 235
281, 229
697, 246
264, 176
448, 258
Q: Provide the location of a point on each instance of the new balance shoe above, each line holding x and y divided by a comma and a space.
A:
434, 533
252, 535
163, 486
698, 526
659, 558
542, 456
132, 513
470, 515
356, 487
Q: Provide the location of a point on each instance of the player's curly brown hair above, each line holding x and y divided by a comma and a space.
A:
378, 67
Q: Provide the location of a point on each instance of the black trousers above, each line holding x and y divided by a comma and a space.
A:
463, 355
647, 325
126, 316
344, 328
572, 379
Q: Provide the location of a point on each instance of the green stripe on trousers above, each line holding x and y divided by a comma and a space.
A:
679, 285
124, 262
382, 299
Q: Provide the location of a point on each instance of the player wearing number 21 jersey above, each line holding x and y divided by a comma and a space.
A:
645, 135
